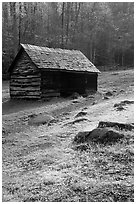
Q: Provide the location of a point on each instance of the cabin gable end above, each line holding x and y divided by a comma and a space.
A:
23, 64
25, 78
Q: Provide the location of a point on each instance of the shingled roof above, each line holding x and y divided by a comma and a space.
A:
59, 59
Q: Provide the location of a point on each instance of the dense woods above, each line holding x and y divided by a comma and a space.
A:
104, 31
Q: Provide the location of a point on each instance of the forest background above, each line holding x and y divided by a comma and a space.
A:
103, 31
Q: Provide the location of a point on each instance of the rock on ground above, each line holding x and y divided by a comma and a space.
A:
121, 126
98, 135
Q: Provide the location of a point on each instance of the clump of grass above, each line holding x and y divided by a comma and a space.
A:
111, 167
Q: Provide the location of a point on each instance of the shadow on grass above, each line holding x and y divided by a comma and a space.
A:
16, 105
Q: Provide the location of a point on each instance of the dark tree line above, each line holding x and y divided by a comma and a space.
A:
103, 31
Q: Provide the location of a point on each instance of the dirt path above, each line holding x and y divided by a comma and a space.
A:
65, 111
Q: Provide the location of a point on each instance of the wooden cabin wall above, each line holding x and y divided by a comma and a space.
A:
50, 84
25, 79
91, 81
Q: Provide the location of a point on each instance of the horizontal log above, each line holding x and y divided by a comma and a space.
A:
28, 71
24, 76
25, 97
28, 88
15, 84
24, 80
22, 93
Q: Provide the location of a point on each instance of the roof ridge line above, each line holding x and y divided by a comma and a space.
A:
57, 48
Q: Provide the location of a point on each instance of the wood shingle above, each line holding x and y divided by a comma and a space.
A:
50, 58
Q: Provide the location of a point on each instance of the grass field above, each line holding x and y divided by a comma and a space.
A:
40, 162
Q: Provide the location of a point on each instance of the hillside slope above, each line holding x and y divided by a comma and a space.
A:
40, 161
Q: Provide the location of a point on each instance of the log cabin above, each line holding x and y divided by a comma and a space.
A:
42, 72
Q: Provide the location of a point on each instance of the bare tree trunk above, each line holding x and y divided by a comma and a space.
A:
122, 59
14, 25
19, 26
91, 50
76, 17
94, 54
118, 58
62, 25
67, 28
48, 26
